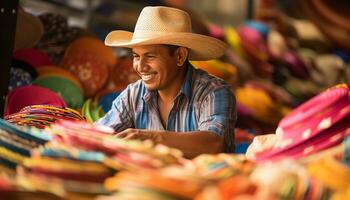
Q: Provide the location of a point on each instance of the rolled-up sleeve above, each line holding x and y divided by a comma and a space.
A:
119, 116
218, 115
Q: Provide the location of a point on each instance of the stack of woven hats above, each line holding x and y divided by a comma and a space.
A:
41, 116
16, 144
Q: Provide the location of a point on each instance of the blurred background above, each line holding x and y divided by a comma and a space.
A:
287, 64
281, 53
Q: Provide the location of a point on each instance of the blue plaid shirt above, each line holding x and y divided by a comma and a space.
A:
204, 103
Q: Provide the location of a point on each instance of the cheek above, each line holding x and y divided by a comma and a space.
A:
134, 66
166, 75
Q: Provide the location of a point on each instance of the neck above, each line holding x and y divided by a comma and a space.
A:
168, 95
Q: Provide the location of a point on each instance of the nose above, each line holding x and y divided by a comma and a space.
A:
141, 65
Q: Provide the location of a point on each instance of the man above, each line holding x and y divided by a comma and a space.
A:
173, 103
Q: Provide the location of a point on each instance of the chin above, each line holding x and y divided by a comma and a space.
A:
150, 87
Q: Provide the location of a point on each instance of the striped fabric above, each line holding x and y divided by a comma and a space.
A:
204, 103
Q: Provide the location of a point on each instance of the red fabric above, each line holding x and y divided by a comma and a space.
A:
31, 95
91, 71
32, 56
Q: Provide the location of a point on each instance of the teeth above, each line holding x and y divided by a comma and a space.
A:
147, 77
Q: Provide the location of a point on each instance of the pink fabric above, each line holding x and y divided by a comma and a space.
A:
31, 95
253, 43
319, 123
83, 135
216, 31
33, 57
314, 124
313, 106
324, 140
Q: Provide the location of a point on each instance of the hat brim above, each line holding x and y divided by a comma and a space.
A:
201, 47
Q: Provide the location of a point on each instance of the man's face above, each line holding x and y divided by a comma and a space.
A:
156, 67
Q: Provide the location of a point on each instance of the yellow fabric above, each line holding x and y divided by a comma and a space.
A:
10, 155
217, 68
233, 40
341, 195
61, 164
265, 109
330, 172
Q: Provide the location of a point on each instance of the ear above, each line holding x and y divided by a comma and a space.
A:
182, 54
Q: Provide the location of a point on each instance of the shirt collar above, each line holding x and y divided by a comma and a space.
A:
185, 88
148, 94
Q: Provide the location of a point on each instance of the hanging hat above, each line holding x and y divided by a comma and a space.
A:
261, 27
30, 95
67, 89
29, 30
253, 43
94, 46
21, 73
123, 73
59, 72
15, 63
18, 77
165, 25
57, 35
33, 56
91, 71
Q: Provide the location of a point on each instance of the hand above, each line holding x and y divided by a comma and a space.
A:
140, 134
261, 143
242, 135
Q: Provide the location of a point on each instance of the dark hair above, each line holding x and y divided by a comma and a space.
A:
171, 48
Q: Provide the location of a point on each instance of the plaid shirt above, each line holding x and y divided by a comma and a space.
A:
204, 103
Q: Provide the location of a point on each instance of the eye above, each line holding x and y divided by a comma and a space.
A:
151, 56
136, 56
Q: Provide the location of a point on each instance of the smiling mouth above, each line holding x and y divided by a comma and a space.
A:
147, 77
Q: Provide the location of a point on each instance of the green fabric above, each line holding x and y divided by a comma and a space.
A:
64, 88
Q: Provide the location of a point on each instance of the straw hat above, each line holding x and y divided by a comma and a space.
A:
29, 30
165, 25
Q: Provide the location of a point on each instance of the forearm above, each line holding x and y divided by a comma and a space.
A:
193, 143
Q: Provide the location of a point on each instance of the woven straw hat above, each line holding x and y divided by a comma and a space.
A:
165, 25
